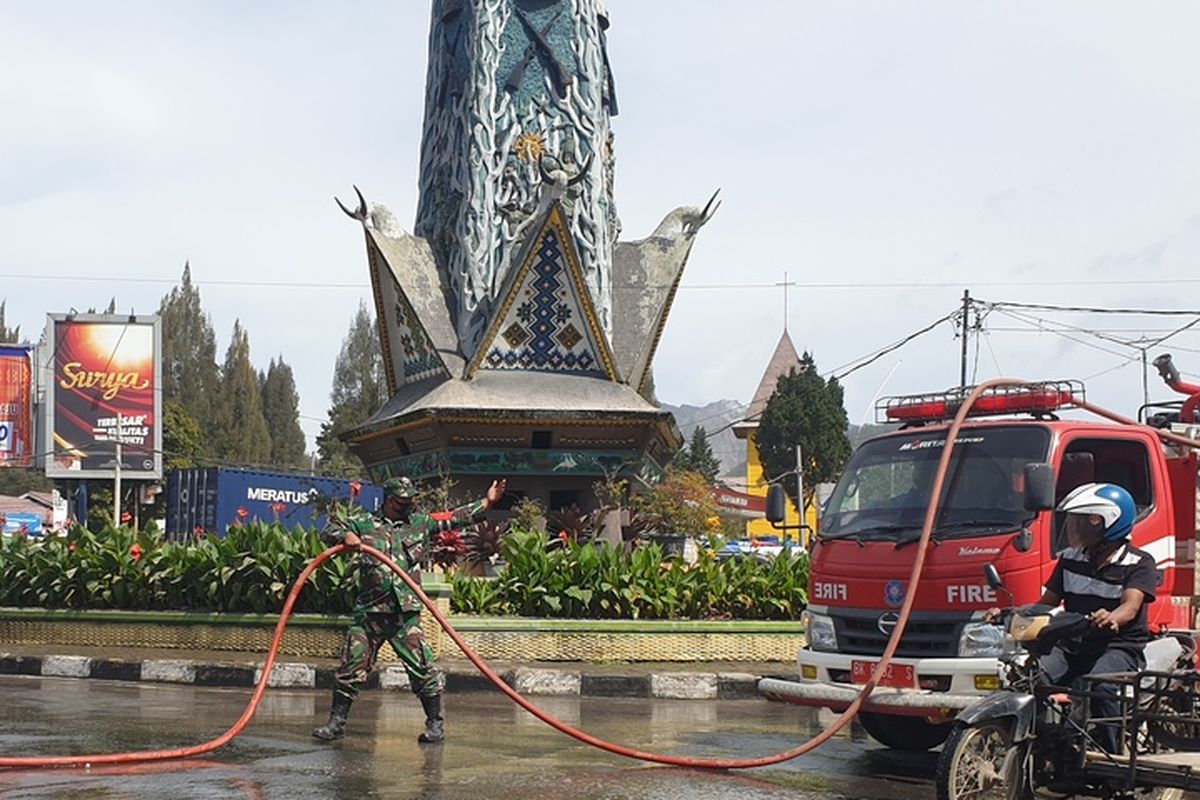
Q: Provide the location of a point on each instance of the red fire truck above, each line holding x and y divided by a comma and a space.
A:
861, 559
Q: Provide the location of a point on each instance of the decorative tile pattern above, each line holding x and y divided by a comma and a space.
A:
419, 360
515, 335
569, 336
545, 326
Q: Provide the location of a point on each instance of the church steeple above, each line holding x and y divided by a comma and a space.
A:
783, 360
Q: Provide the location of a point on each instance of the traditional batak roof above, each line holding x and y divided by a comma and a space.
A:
544, 352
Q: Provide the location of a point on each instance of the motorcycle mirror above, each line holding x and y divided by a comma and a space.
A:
1039, 487
992, 575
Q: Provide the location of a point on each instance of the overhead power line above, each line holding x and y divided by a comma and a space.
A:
1094, 309
872, 357
814, 285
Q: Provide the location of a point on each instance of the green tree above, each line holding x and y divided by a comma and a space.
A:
697, 456
189, 358
359, 390
281, 409
183, 440
807, 410
681, 503
16, 481
242, 429
8, 335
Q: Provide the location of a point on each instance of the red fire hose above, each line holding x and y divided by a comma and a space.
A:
682, 761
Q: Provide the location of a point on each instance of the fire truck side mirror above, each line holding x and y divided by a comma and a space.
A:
992, 576
1039, 487
776, 504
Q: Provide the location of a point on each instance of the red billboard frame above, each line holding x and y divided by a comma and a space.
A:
16, 407
103, 370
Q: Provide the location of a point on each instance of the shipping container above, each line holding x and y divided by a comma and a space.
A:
213, 498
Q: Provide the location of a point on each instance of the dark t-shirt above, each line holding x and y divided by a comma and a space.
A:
1085, 588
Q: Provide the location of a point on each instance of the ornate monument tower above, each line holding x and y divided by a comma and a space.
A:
517, 332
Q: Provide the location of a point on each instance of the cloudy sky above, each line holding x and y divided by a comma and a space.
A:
884, 155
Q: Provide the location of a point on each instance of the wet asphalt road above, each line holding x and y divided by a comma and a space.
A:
494, 750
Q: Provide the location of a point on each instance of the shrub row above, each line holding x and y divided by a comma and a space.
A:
594, 580
251, 570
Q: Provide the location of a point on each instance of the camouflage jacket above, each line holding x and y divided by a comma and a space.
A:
380, 591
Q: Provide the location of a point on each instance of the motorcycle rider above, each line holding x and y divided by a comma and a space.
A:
1102, 576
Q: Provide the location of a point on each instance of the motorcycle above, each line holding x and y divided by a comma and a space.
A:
1030, 739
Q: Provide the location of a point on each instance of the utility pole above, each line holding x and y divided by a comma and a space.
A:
1145, 378
800, 495
117, 478
966, 312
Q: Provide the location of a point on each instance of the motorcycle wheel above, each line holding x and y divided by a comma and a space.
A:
981, 762
1183, 734
903, 733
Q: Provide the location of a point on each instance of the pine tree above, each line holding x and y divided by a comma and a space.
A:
8, 335
281, 409
359, 390
189, 358
700, 456
804, 410
242, 429
182, 439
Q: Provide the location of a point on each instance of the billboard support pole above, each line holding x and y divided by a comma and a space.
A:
117, 479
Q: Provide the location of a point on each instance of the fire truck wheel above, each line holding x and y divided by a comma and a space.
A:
904, 733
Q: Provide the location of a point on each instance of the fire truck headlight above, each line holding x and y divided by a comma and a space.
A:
981, 640
819, 630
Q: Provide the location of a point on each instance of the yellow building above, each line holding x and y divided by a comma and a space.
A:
782, 361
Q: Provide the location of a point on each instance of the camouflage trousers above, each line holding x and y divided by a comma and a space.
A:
366, 635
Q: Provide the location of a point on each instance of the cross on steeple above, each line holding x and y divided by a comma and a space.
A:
786, 285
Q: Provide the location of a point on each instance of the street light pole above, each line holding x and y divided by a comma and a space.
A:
117, 479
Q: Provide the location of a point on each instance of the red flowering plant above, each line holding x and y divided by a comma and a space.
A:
135, 552
572, 525
447, 548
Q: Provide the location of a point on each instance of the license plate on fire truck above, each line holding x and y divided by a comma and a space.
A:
900, 676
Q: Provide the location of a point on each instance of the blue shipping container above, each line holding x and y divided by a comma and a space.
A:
213, 498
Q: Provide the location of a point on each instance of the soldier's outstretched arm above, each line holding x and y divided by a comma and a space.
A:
472, 512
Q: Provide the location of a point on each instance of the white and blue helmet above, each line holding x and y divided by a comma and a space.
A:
1107, 501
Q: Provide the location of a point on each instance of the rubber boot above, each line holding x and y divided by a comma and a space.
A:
435, 725
336, 727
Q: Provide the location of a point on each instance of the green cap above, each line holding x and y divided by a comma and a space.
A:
402, 488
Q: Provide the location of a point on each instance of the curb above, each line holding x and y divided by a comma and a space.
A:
531, 681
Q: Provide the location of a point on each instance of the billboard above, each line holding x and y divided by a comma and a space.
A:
16, 407
105, 385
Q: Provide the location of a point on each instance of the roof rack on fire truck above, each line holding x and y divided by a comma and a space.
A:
1041, 399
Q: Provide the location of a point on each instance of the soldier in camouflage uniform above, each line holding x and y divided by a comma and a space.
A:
386, 609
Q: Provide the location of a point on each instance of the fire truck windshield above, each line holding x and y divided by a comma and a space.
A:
884, 490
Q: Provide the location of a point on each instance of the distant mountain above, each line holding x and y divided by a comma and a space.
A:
728, 449
860, 433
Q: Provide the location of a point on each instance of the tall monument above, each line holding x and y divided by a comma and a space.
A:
517, 331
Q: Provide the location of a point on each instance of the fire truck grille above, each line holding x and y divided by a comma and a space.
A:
923, 638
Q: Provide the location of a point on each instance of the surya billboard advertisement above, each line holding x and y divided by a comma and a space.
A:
105, 387
16, 407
